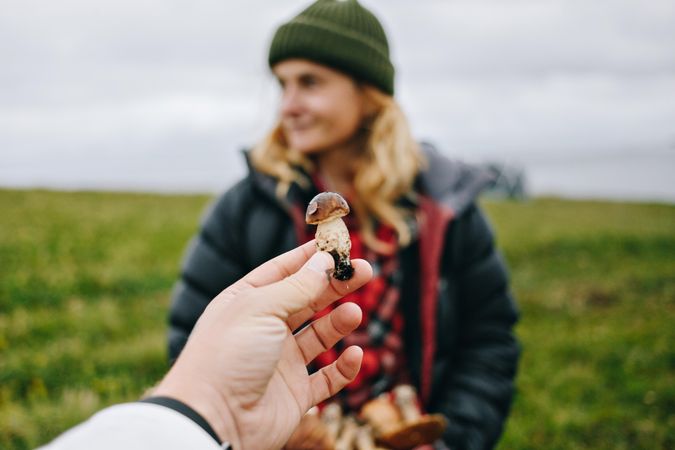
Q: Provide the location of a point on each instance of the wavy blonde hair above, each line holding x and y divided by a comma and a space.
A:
384, 171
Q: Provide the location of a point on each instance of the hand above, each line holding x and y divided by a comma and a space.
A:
245, 371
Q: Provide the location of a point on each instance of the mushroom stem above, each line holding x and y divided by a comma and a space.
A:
332, 236
364, 439
348, 434
406, 400
332, 416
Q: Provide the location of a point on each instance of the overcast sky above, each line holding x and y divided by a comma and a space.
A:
150, 94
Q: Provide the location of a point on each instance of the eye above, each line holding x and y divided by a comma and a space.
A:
309, 81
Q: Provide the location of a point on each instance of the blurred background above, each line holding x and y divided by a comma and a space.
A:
161, 95
120, 120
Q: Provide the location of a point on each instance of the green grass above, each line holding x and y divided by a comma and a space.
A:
85, 281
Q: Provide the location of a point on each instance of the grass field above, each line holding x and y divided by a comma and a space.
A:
85, 280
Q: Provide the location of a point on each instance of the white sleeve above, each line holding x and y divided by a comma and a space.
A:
135, 426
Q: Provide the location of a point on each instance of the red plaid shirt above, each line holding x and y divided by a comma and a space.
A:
380, 332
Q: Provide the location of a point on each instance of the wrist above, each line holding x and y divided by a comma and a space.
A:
207, 401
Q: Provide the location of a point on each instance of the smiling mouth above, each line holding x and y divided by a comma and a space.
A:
298, 127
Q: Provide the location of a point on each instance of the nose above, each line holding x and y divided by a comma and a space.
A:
291, 101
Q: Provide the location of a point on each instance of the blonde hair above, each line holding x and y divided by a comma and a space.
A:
384, 171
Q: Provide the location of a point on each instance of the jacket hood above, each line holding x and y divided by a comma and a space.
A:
450, 182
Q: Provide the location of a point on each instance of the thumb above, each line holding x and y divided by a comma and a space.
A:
299, 290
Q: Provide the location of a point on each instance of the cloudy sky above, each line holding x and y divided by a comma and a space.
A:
160, 95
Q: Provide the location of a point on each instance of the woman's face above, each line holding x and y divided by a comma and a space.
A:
321, 108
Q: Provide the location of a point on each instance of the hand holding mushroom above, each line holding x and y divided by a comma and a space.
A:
326, 211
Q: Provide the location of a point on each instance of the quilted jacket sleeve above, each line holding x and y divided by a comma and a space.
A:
477, 396
213, 261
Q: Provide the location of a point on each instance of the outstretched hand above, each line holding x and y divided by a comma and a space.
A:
244, 369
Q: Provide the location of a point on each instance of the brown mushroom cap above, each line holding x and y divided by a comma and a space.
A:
326, 206
425, 431
382, 415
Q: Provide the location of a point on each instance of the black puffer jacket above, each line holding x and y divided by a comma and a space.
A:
459, 313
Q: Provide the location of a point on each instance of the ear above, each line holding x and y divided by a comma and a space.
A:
369, 107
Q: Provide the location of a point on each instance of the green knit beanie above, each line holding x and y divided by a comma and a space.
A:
340, 34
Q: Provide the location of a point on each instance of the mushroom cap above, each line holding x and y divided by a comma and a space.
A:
326, 206
383, 415
425, 431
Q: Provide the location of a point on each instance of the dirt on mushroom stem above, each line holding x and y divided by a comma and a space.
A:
343, 267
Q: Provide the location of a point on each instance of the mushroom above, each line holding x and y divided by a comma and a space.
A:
382, 415
399, 424
310, 434
332, 418
348, 434
365, 439
406, 400
326, 211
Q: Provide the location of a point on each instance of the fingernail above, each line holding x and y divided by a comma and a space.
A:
320, 262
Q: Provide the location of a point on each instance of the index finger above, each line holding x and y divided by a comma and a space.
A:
278, 268
363, 272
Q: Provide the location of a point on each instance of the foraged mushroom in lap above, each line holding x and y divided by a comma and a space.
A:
326, 211
399, 425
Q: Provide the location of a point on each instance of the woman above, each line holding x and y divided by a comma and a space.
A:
438, 313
